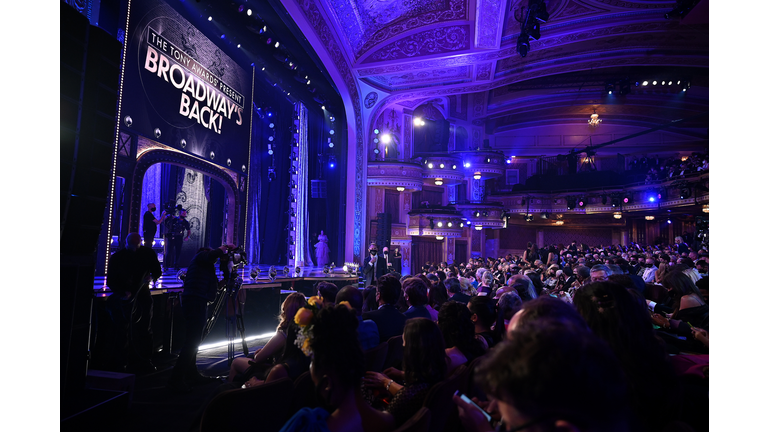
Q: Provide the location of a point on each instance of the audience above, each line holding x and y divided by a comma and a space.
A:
455, 322
415, 291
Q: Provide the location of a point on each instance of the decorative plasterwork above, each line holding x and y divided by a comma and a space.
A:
423, 77
489, 20
395, 174
441, 40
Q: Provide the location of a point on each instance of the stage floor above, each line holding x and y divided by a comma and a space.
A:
169, 281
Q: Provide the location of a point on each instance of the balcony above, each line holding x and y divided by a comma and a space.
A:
405, 176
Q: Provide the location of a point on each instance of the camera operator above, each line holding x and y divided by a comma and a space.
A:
200, 287
130, 305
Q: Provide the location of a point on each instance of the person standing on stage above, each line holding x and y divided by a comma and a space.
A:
175, 238
130, 305
323, 252
150, 224
375, 267
200, 286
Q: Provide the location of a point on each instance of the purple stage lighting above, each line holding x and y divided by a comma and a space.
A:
651, 199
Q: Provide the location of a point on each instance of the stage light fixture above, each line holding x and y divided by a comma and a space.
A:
376, 151
654, 82
466, 165
210, 18
332, 161
330, 145
652, 199
270, 151
450, 224
271, 125
545, 215
439, 237
477, 214
440, 224
322, 107
461, 225
485, 214
509, 160
375, 140
277, 44
331, 132
238, 45
488, 160
582, 203
249, 12
430, 166
469, 222
333, 118
442, 165
453, 166
645, 83
685, 193
669, 221
223, 36
271, 138
386, 138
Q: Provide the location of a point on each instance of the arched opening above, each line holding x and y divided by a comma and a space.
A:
431, 131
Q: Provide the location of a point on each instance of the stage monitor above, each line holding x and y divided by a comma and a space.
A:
181, 90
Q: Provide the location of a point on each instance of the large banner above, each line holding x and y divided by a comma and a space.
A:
181, 90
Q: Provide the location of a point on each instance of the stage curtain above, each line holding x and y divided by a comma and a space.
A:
425, 249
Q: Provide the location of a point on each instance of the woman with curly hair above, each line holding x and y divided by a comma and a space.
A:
336, 369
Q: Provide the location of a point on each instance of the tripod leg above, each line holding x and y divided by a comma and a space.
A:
241, 328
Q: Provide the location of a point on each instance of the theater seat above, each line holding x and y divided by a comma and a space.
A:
375, 357
266, 405
418, 423
303, 394
439, 401
394, 352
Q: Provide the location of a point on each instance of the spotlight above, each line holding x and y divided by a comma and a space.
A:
609, 86
469, 222
450, 224
210, 18
249, 12
270, 151
645, 83
322, 107
223, 36
466, 165
386, 138
442, 165
332, 161
652, 199
271, 125
430, 166
333, 119
669, 221
654, 82
663, 83
582, 203
331, 132
277, 44
477, 214
330, 145
263, 29
376, 151
626, 199
453, 166
439, 224
509, 160
545, 215
238, 45
376, 131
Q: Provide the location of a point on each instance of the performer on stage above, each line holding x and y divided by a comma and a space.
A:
175, 238
130, 305
323, 252
151, 223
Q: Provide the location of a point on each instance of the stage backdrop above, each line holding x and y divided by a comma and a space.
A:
182, 90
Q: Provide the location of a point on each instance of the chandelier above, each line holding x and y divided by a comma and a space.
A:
617, 215
594, 121
705, 208
478, 176
439, 181
650, 218
400, 189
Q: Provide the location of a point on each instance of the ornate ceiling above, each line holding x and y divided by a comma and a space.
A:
464, 51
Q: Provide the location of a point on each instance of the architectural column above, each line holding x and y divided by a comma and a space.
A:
450, 250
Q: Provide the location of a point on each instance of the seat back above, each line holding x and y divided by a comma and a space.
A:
303, 394
439, 402
375, 357
394, 352
418, 423
467, 384
237, 409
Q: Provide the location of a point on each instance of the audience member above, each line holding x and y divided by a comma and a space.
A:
415, 291
455, 322
367, 331
388, 319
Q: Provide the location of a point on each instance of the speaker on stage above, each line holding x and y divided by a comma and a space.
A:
384, 230
90, 72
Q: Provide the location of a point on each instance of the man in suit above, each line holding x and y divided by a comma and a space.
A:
388, 319
571, 278
375, 267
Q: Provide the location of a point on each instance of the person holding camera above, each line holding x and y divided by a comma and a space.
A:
200, 287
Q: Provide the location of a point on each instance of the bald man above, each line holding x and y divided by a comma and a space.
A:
128, 275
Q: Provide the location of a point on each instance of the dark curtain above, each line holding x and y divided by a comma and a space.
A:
392, 204
461, 252
425, 249
273, 206
215, 215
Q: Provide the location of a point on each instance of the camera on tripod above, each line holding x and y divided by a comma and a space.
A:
233, 259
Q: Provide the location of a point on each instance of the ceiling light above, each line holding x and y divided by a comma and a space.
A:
400, 189
650, 218
438, 181
594, 121
439, 237
478, 176
617, 215
705, 208
478, 227
559, 222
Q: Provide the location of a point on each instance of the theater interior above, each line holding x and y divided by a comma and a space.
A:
304, 131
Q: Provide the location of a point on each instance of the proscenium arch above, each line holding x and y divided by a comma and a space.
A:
184, 160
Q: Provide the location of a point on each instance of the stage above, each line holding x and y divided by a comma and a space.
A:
170, 283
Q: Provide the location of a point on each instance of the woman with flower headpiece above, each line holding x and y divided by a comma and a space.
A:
276, 345
336, 369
